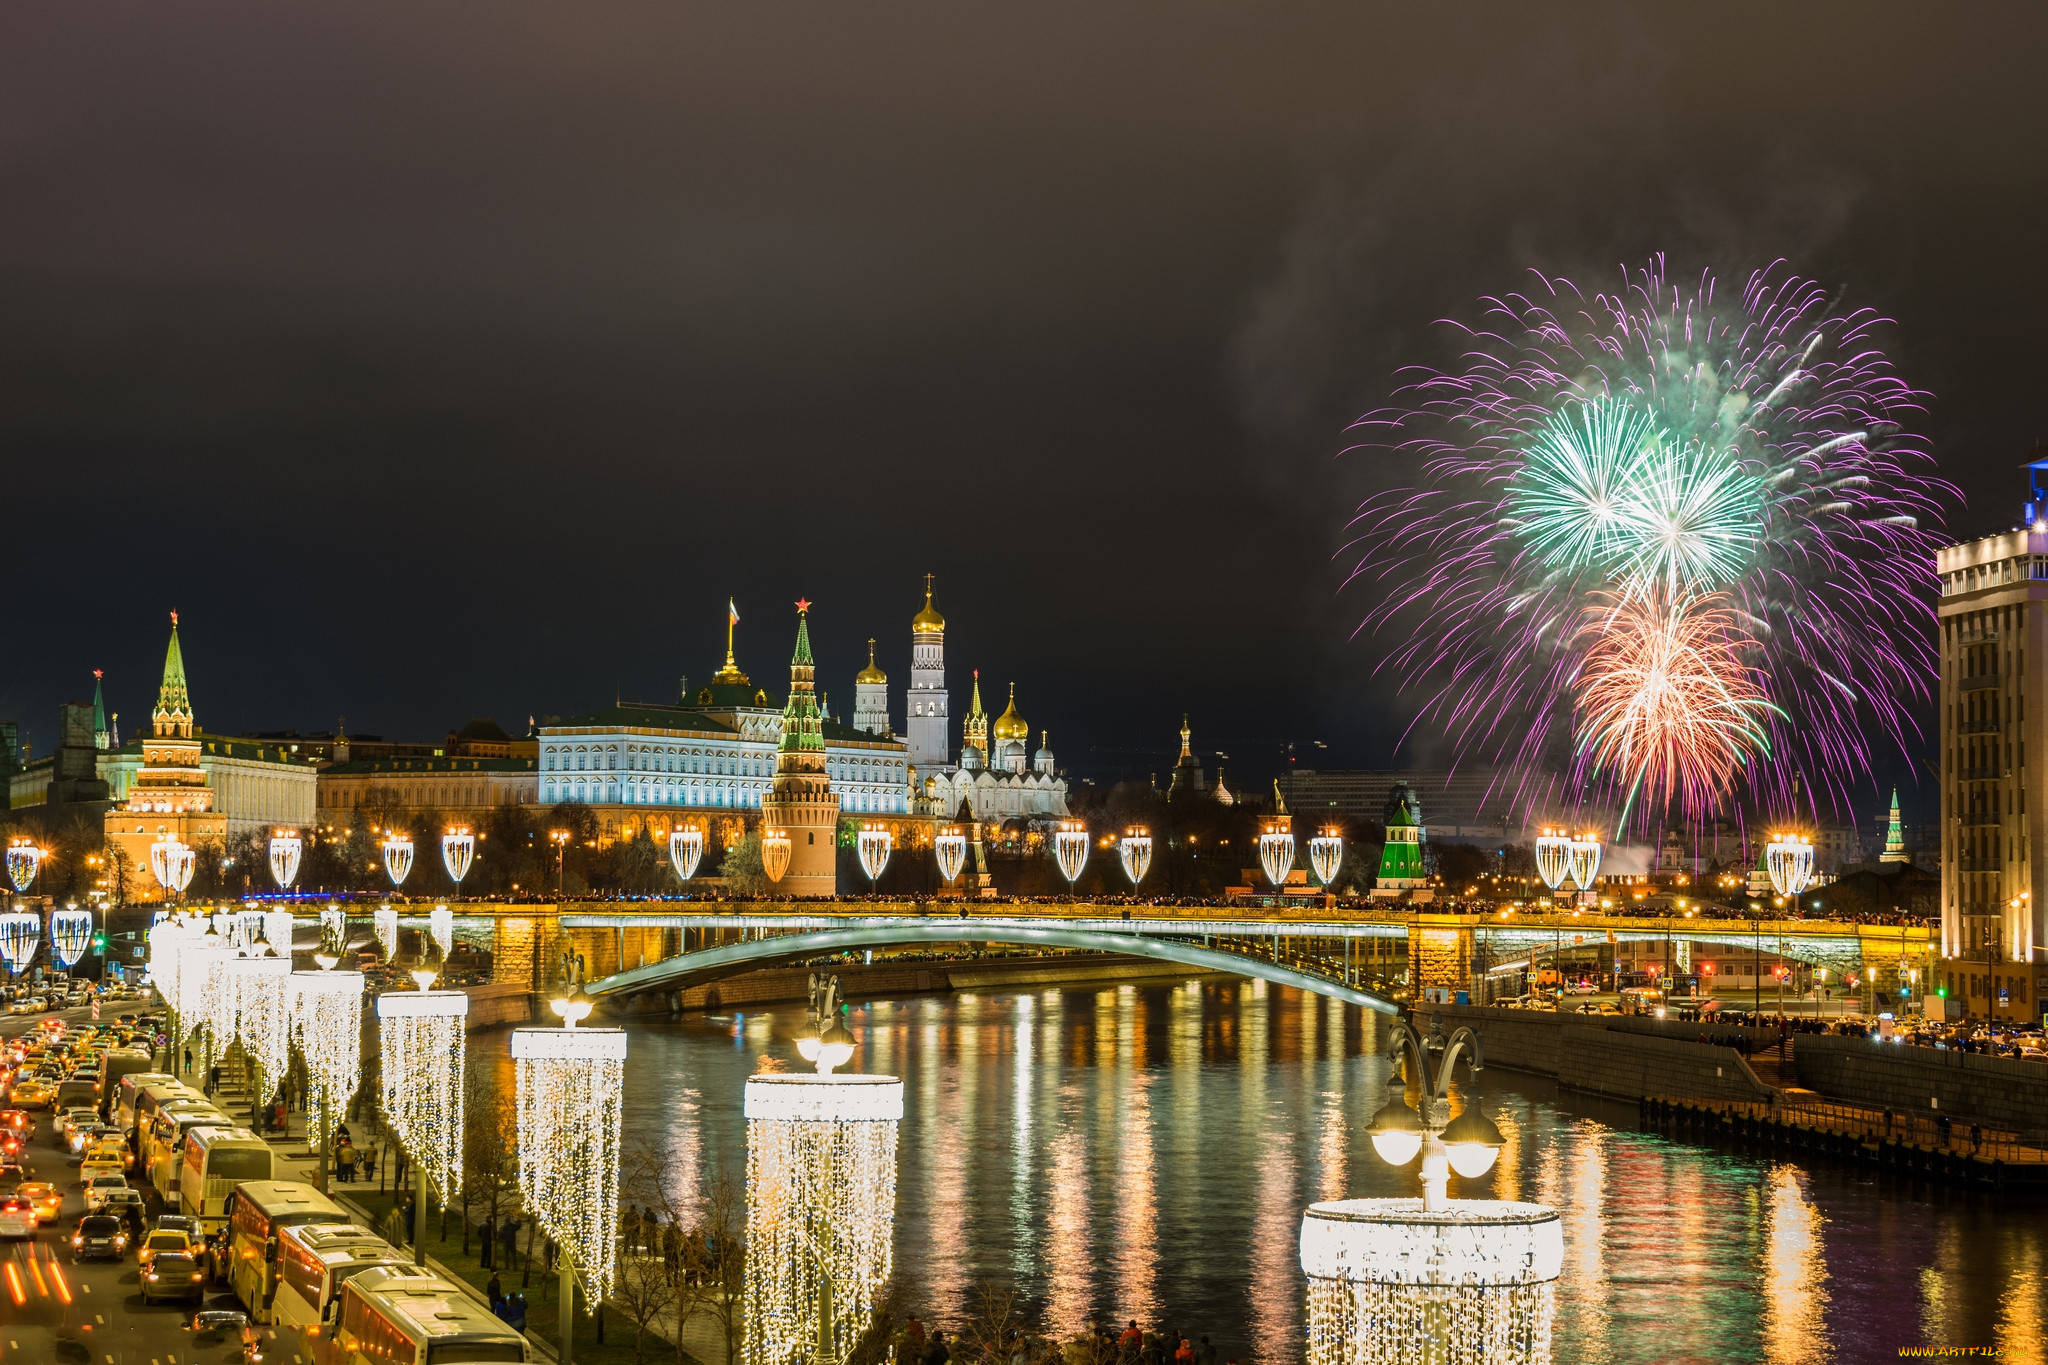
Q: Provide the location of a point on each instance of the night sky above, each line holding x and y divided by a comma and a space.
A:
439, 360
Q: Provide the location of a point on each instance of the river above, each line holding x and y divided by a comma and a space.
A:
1146, 1151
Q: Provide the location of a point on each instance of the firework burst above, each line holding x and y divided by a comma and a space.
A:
1737, 469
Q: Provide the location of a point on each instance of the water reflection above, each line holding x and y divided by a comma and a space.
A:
1147, 1152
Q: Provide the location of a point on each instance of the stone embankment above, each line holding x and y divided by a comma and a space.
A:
1619, 1057
1969, 1087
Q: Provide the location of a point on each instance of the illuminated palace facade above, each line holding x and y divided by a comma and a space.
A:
713, 749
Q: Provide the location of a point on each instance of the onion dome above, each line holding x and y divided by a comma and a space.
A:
1010, 725
871, 674
928, 621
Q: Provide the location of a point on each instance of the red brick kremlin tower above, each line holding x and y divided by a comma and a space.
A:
801, 803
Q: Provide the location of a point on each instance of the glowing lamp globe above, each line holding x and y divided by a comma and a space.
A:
1326, 855
1553, 857
1789, 860
397, 859
685, 850
1135, 852
873, 843
458, 851
286, 848
1276, 851
949, 845
775, 853
24, 859
1397, 1129
1070, 849
835, 1048
1472, 1143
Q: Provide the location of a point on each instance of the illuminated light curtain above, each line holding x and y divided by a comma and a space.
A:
208, 996
385, 922
20, 934
821, 1205
70, 935
441, 927
1276, 853
326, 1024
166, 938
1390, 1285
568, 1083
286, 848
421, 1037
261, 987
277, 931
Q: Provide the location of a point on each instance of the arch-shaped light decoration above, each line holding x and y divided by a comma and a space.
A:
567, 1084
278, 926
949, 846
1135, 852
20, 934
397, 859
420, 1035
24, 860
874, 844
384, 922
685, 850
1553, 857
70, 935
1585, 860
1326, 855
458, 851
172, 861
1276, 850
286, 849
1070, 849
441, 928
775, 853
1789, 860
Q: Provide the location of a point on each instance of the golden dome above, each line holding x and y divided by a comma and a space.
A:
871, 674
928, 621
1010, 725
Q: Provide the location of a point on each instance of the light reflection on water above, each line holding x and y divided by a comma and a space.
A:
1147, 1152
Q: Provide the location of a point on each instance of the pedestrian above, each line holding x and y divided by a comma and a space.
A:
213, 1079
1132, 1338
495, 1291
1185, 1354
515, 1312
1205, 1353
551, 1254
508, 1240
188, 1061
914, 1330
935, 1352
370, 1161
488, 1258
1976, 1136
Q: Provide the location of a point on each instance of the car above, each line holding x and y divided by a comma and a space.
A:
99, 1235
48, 1199
18, 1121
159, 1240
13, 1145
120, 1204
26, 1005
110, 1152
173, 1275
17, 1218
32, 1094
99, 1185
76, 1125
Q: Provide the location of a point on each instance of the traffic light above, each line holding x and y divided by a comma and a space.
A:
99, 944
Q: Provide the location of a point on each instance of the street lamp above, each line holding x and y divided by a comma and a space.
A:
397, 858
1789, 860
874, 843
1070, 849
560, 839
685, 849
1468, 1146
24, 860
458, 851
1276, 850
1135, 852
1326, 855
172, 862
949, 846
285, 850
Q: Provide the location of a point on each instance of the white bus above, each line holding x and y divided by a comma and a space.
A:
161, 1141
216, 1160
128, 1095
402, 1317
257, 1211
314, 1260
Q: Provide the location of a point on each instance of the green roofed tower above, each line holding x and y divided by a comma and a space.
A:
801, 805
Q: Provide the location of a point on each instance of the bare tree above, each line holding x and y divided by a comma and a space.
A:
996, 1319
490, 1144
722, 1255
649, 1283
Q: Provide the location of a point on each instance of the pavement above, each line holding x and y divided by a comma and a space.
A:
54, 1308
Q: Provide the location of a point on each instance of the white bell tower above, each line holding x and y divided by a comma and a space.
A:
925, 725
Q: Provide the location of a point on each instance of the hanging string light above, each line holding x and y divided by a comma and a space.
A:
172, 862
333, 933
1325, 855
458, 850
568, 1083
821, 1211
685, 848
397, 859
874, 843
20, 933
1070, 848
420, 1035
285, 850
208, 995
166, 937
262, 989
950, 847
326, 1023
441, 928
385, 922
70, 935
24, 859
1276, 850
278, 927
1135, 852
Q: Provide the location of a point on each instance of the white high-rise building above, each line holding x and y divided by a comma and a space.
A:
926, 725
871, 698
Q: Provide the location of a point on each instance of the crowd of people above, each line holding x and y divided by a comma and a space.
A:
1100, 1343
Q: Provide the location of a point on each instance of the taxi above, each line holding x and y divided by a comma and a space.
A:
47, 1198
162, 1240
32, 1094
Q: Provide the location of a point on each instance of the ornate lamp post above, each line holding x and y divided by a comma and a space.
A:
458, 851
1276, 850
949, 846
1789, 860
874, 843
1070, 849
1431, 1279
70, 935
397, 859
560, 839
775, 853
685, 850
1326, 855
821, 1197
326, 1021
568, 1082
1134, 851
286, 848
172, 862
24, 860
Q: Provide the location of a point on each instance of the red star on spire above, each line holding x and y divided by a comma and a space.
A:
96, 674
803, 604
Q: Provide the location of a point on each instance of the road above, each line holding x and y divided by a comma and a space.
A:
54, 1308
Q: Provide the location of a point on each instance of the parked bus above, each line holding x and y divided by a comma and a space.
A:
257, 1211
216, 1160
120, 1064
127, 1095
402, 1317
314, 1260
162, 1142
149, 1097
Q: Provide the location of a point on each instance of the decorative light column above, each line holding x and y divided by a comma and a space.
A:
70, 935
441, 929
568, 1081
24, 860
286, 848
1553, 857
821, 1205
384, 924
207, 995
397, 859
278, 928
172, 861
20, 934
1276, 850
685, 850
458, 851
422, 1036
949, 847
327, 1024
1134, 851
334, 929
1326, 855
776, 851
1070, 849
1789, 860
1585, 864
874, 844
1431, 1280
261, 984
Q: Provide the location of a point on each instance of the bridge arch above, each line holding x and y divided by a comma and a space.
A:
714, 964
